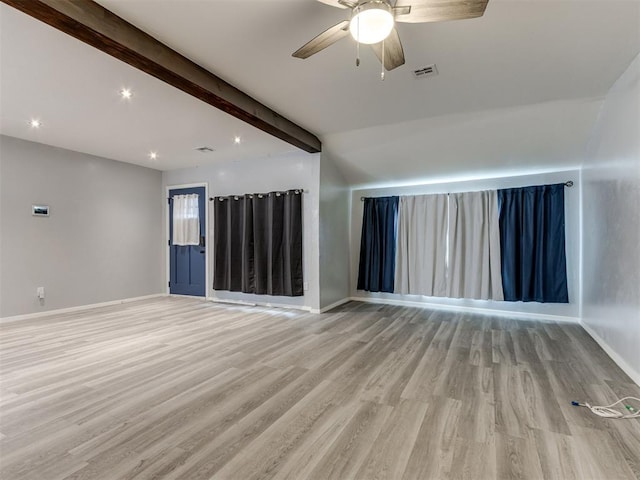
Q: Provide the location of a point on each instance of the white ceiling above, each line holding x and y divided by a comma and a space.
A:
514, 141
73, 89
520, 53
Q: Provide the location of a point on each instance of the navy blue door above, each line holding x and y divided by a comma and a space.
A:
187, 262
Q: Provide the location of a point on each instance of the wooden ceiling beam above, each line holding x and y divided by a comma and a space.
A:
93, 24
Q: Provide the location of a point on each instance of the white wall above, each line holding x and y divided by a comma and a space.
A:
282, 172
101, 240
568, 311
611, 225
334, 234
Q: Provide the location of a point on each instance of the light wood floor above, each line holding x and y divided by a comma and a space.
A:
178, 388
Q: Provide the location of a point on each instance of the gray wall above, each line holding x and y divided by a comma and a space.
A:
282, 172
102, 241
334, 233
569, 311
611, 224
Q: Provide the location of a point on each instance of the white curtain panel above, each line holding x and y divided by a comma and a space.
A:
422, 245
186, 220
474, 246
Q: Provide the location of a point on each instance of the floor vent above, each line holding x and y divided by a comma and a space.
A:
428, 71
204, 149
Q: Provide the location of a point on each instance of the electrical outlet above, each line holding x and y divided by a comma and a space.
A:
305, 286
40, 293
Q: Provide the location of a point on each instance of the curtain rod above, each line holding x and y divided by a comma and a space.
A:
568, 184
250, 195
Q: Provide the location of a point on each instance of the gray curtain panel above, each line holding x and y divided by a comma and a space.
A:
258, 243
277, 232
474, 246
421, 249
233, 244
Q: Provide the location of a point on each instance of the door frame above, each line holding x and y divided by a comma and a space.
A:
207, 229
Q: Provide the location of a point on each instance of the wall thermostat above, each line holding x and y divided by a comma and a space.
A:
40, 210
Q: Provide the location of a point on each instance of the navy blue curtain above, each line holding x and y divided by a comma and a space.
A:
532, 244
378, 245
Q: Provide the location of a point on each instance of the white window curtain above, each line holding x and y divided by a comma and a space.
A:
422, 246
474, 246
186, 220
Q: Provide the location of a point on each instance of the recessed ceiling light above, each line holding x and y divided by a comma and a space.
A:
237, 140
153, 155
125, 93
35, 123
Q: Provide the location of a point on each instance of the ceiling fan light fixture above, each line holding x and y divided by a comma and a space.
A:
371, 22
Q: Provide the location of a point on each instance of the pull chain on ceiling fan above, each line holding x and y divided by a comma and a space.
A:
373, 23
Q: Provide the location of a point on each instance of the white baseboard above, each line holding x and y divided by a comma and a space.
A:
480, 311
192, 297
79, 308
332, 306
626, 368
230, 302
258, 304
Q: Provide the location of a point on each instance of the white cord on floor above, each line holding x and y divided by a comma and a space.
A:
609, 412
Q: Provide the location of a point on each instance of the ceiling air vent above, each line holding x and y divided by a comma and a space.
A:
428, 71
204, 149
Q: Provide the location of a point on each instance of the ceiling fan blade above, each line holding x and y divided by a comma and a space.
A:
339, 3
393, 53
322, 41
441, 10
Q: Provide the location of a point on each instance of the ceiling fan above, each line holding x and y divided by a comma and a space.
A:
373, 23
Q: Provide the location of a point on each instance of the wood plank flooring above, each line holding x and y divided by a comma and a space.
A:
176, 388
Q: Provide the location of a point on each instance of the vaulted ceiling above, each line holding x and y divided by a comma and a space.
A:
507, 81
